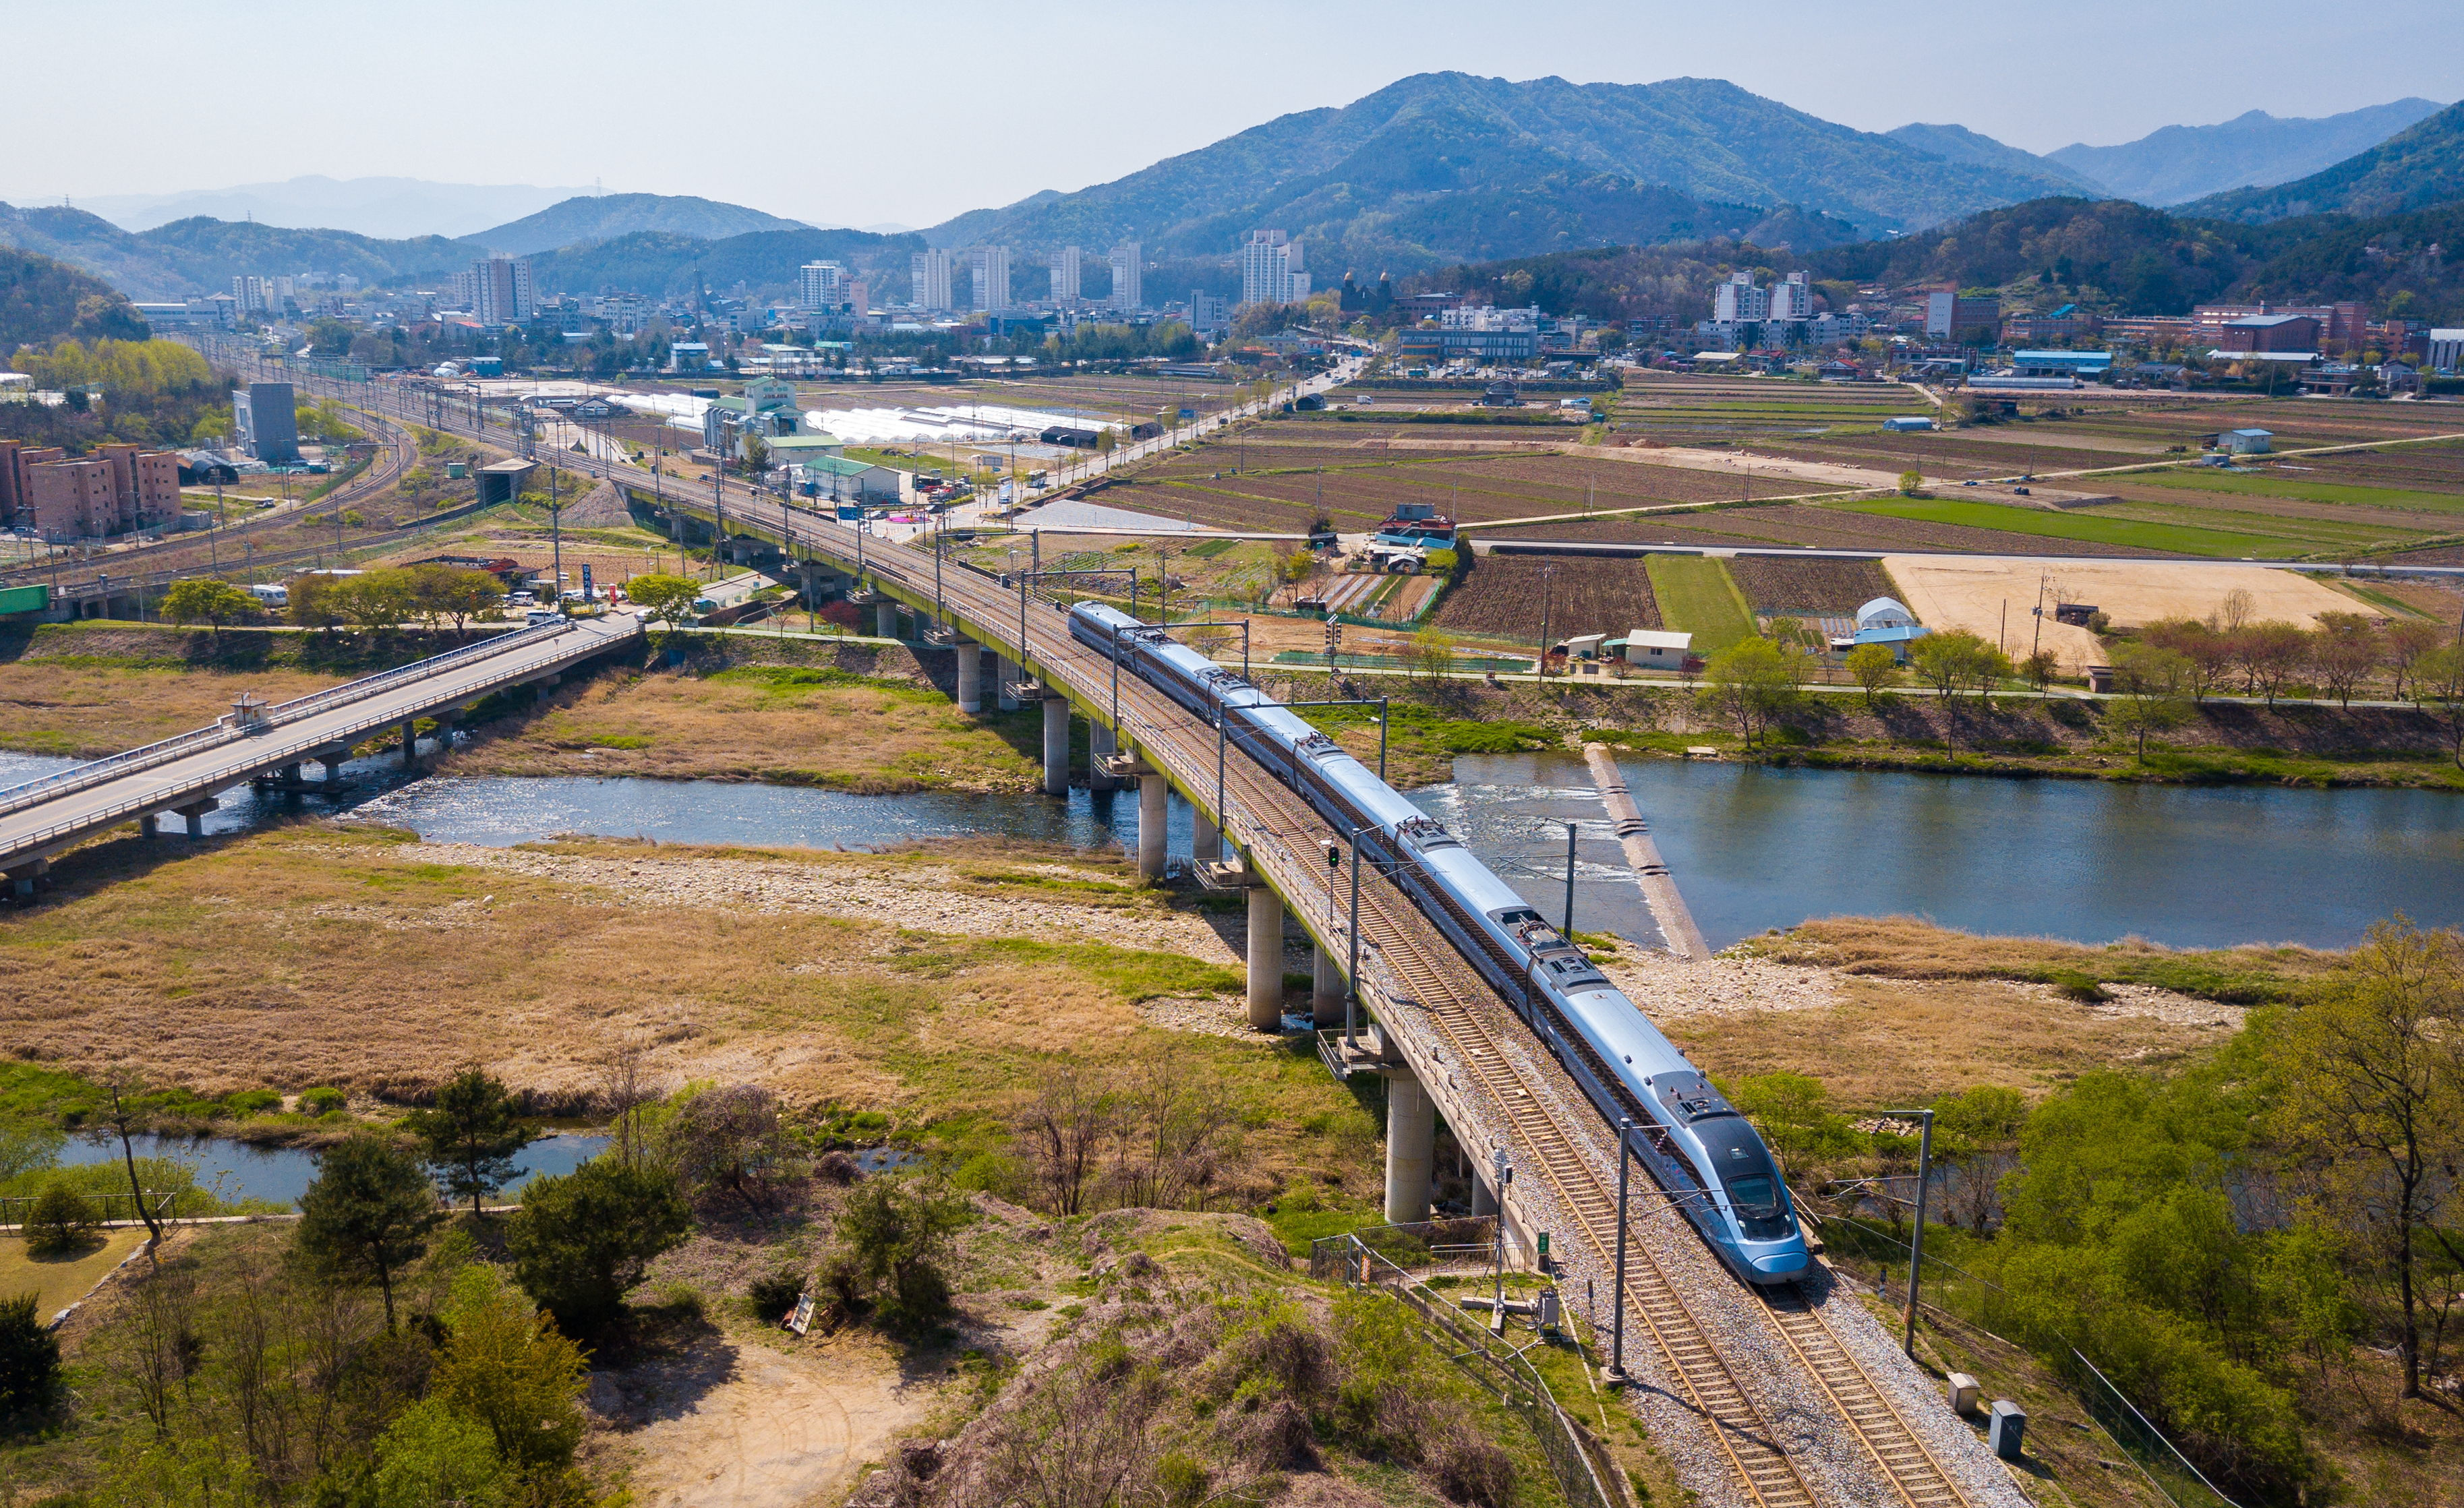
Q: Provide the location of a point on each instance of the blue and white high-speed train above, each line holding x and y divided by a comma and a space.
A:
1703, 1151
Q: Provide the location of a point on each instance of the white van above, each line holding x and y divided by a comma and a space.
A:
268, 595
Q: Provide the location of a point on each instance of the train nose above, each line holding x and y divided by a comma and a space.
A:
1781, 1265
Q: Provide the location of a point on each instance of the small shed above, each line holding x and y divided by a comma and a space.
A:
1904, 422
1895, 639
1651, 647
2246, 442
1884, 612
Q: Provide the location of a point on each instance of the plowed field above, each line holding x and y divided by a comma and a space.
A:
1777, 585
1504, 596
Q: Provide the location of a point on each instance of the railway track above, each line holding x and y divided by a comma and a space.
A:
1460, 1004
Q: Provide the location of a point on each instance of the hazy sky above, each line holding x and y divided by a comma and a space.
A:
912, 113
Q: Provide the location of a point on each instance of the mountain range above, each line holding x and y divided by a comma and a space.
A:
385, 207
2183, 162
2418, 166
1447, 166
603, 217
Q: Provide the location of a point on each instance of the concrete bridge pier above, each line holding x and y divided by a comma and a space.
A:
24, 876
1056, 746
1326, 987
1100, 743
1151, 792
1410, 1147
885, 621
1206, 840
332, 762
1483, 1198
971, 676
147, 826
1266, 959
195, 812
443, 733
409, 742
1003, 697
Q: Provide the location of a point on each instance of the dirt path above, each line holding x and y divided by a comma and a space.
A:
742, 1426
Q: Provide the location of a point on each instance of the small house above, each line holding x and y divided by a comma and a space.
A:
1896, 639
1653, 649
2245, 441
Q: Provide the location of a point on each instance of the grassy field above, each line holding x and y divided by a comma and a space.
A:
58, 1282
1696, 595
2045, 523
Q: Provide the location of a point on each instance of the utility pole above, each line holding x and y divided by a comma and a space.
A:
1570, 882
1615, 1374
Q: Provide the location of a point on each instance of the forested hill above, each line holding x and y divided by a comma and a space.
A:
2108, 255
659, 263
43, 301
603, 217
200, 254
1449, 166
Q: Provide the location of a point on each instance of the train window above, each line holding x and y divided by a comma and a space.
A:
1744, 1169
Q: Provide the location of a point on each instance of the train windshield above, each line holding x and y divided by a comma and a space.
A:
1744, 1169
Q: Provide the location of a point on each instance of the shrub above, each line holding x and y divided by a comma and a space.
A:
508, 1368
775, 1293
251, 1101
1473, 1470
897, 1232
2079, 986
321, 1101
583, 1240
61, 1222
30, 1357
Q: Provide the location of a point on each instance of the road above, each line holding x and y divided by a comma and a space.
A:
43, 817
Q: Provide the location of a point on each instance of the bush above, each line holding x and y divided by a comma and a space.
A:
897, 1232
583, 1241
61, 1222
321, 1101
774, 1293
30, 1357
251, 1101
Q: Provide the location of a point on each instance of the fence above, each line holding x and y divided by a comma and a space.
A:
1950, 1288
1584, 1474
15, 1208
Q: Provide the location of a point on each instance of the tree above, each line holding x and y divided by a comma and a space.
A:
60, 1221
2269, 654
2150, 682
2438, 686
2345, 651
30, 1357
2233, 614
204, 600
2367, 1091
2205, 652
1911, 482
432, 1453
583, 1241
2040, 667
506, 1366
728, 1140
369, 1211
374, 600
669, 598
312, 603
471, 1135
757, 454
1954, 658
1433, 650
1748, 684
896, 1232
1875, 668
439, 592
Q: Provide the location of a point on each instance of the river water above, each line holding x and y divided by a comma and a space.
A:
1750, 847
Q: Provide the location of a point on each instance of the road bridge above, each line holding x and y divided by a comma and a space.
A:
184, 774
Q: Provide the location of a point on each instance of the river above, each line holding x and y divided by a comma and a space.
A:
1750, 847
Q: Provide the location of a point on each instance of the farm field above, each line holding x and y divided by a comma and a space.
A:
2280, 482
1696, 595
1502, 598
2090, 525
1820, 527
1777, 586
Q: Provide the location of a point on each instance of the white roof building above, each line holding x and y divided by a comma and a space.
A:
1884, 612
1653, 647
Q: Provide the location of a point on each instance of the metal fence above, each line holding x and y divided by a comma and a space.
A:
17, 1208
1585, 1476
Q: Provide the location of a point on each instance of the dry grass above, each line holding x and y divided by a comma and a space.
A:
84, 711
930, 984
1906, 948
785, 727
1896, 1042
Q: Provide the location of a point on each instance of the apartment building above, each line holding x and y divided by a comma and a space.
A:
1067, 266
821, 285
1272, 270
930, 272
990, 266
111, 490
266, 417
1129, 290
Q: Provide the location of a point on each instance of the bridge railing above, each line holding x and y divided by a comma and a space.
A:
99, 771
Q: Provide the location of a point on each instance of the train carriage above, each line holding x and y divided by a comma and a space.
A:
1707, 1156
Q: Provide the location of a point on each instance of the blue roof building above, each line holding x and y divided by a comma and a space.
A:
1896, 639
2054, 364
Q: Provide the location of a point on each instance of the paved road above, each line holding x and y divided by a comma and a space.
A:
53, 813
